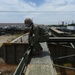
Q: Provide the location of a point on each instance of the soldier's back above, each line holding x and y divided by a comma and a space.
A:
41, 33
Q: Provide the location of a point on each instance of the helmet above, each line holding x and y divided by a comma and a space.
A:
28, 21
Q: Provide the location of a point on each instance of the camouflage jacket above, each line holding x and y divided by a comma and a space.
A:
40, 34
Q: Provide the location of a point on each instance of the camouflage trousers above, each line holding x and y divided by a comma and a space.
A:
37, 47
36, 43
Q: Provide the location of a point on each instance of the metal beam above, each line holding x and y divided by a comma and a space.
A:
72, 45
22, 64
70, 68
63, 57
61, 39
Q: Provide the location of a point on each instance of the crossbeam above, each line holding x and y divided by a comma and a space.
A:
63, 57
70, 68
61, 39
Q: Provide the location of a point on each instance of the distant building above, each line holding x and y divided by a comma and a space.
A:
63, 23
71, 26
11, 24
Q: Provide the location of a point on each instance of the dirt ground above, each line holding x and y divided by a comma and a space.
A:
6, 69
7, 38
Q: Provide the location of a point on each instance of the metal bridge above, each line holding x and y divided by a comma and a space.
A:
36, 64
44, 64
56, 32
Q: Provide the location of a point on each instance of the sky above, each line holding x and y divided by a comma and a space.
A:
41, 11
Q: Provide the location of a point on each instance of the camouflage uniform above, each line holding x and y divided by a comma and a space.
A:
36, 34
40, 34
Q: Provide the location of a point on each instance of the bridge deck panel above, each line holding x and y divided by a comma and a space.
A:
41, 64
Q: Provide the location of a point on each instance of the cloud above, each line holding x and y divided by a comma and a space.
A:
59, 5
47, 5
14, 5
50, 11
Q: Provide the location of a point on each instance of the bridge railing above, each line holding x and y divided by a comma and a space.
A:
23, 63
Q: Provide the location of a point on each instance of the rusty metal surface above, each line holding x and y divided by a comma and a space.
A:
43, 58
13, 52
41, 64
40, 69
61, 39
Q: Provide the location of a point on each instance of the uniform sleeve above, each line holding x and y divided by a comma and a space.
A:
36, 33
35, 37
30, 34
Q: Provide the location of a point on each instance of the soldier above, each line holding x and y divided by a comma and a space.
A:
37, 34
